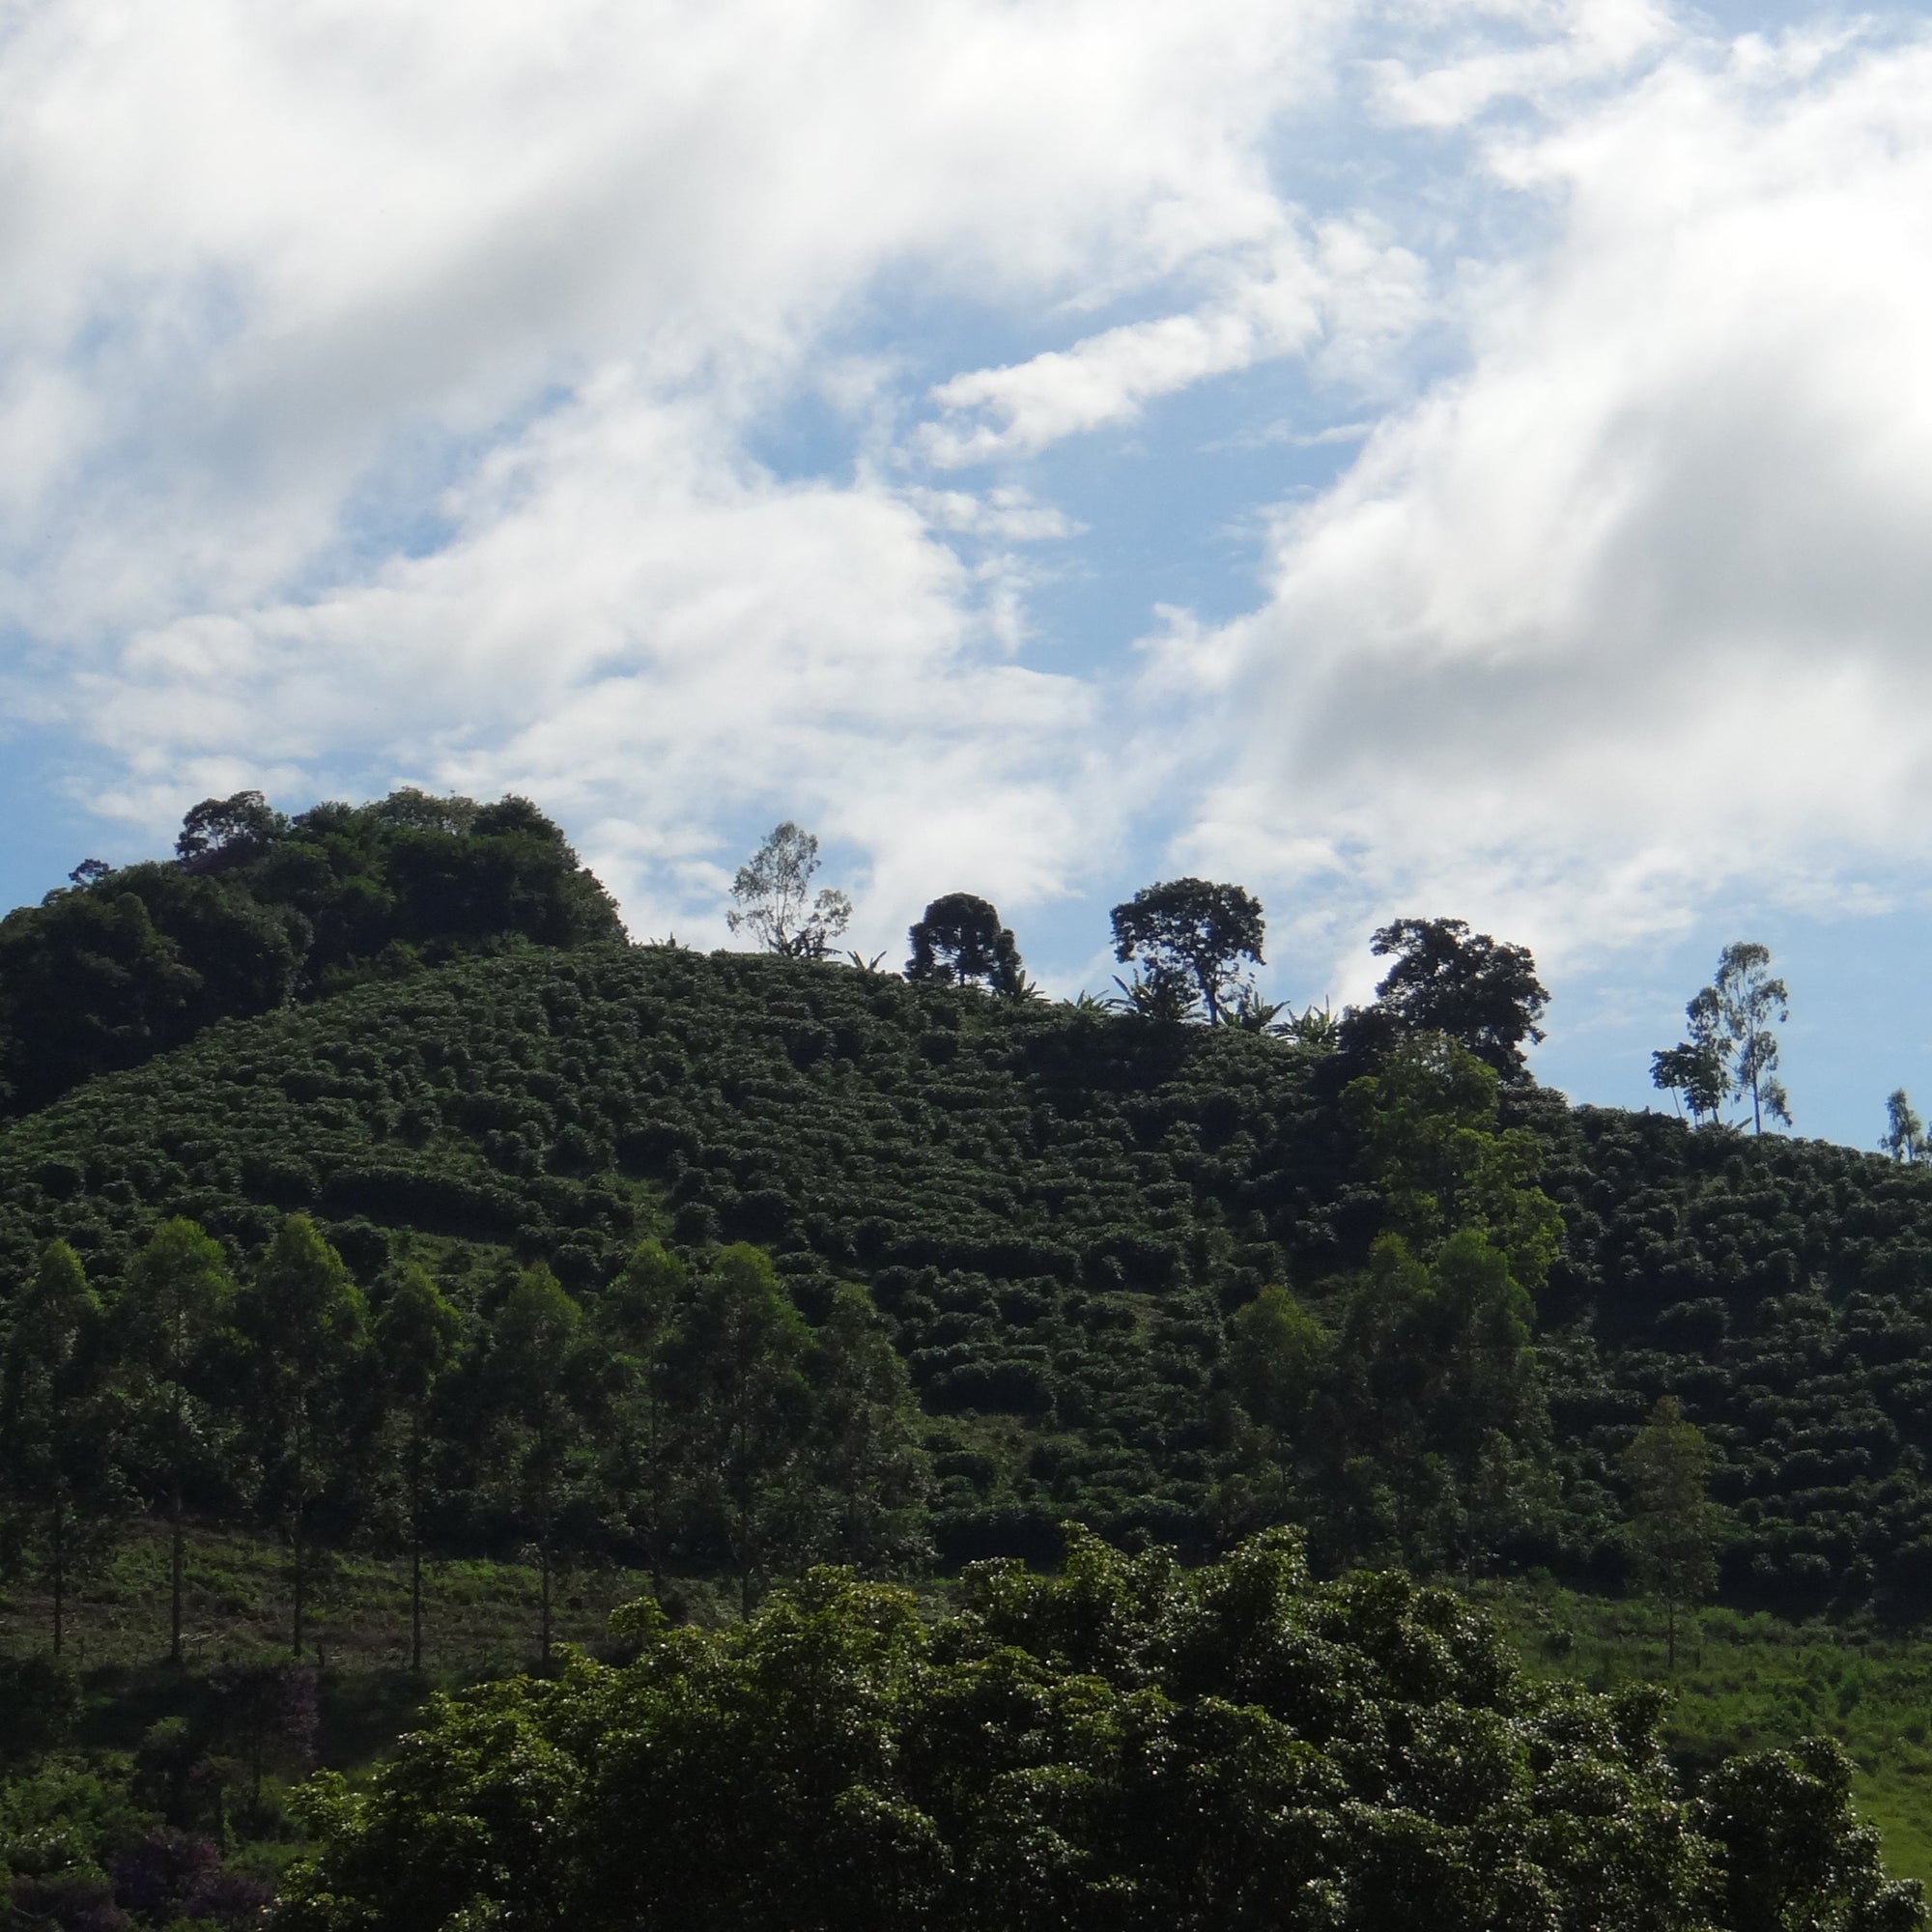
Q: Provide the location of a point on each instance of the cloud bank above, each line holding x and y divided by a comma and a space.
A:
678, 412
1633, 607
382, 387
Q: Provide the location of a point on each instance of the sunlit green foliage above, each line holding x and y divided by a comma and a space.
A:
1129, 1746
1673, 1527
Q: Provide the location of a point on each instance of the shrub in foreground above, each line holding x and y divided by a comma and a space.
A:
1131, 1744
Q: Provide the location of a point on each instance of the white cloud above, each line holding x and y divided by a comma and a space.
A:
1566, 43
381, 383
1007, 512
1348, 291
251, 248
625, 618
389, 392
1635, 608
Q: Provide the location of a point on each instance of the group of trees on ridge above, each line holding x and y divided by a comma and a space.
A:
685, 1414
1189, 940
1188, 944
258, 909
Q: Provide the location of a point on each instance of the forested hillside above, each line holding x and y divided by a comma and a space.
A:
257, 908
1077, 1229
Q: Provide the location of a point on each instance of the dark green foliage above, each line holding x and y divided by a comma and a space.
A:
177, 1300
1693, 1073
1431, 1139
538, 1375
418, 1340
107, 976
302, 1324
768, 1210
1781, 1291
636, 1318
1415, 1429
57, 1476
960, 942
1131, 1746
1481, 993
1050, 1209
699, 1418
221, 834
1789, 1853
180, 1825
1054, 1212
260, 909
1189, 936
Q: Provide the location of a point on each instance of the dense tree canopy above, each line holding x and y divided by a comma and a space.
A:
1129, 1746
259, 909
1056, 1214
1190, 937
693, 1415
1479, 992
961, 942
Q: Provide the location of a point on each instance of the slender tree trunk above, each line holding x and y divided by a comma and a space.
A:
543, 1586
654, 1536
1670, 1634
415, 1544
301, 1514
296, 1633
744, 1512
543, 1551
176, 1567
60, 1569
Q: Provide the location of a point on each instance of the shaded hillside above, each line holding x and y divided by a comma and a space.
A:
257, 908
1781, 1289
1052, 1207
1056, 1209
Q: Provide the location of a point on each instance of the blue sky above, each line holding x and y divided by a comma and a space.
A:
1410, 458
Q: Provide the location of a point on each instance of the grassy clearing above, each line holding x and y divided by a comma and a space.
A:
479, 1618
1746, 1682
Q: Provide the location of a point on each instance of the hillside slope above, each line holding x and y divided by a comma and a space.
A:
1056, 1209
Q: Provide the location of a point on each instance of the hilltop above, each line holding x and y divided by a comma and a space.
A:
1060, 1215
